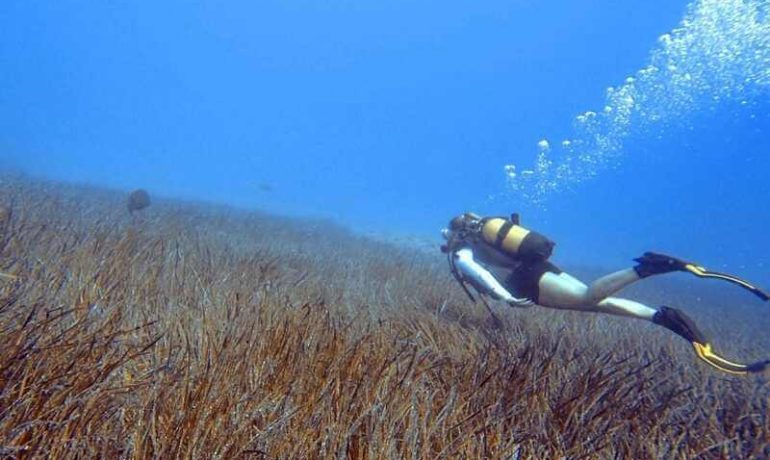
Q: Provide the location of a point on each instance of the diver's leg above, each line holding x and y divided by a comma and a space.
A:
566, 292
562, 288
610, 284
562, 291
625, 307
649, 264
652, 263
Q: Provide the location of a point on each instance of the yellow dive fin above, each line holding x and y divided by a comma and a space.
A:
653, 263
697, 270
705, 353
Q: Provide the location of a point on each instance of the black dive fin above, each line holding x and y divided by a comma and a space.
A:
697, 270
705, 353
652, 263
682, 325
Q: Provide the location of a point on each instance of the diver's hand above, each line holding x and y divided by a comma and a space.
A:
520, 303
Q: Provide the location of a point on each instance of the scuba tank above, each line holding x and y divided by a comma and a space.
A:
510, 238
502, 238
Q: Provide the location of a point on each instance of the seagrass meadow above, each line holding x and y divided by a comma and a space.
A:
197, 331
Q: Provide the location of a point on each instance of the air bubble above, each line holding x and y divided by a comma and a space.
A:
720, 52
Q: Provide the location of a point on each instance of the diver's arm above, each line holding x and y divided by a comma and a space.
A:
482, 280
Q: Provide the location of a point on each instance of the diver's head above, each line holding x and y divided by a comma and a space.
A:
459, 228
464, 221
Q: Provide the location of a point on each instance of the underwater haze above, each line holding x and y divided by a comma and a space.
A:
613, 127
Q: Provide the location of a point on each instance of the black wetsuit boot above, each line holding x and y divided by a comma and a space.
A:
652, 263
679, 323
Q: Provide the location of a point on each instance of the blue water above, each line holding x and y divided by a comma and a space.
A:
393, 116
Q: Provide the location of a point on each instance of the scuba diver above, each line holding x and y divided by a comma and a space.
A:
478, 247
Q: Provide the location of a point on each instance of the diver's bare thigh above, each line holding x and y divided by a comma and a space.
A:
562, 291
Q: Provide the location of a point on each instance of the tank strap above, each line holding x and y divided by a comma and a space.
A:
502, 233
